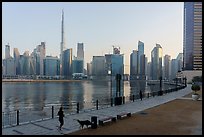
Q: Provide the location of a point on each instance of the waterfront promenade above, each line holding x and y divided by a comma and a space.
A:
49, 127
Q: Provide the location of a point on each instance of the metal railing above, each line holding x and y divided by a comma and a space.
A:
18, 117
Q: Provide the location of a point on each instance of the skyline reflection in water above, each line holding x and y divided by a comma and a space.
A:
37, 95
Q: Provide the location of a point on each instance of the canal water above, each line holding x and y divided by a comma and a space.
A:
38, 97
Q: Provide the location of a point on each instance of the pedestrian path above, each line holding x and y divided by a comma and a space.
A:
50, 126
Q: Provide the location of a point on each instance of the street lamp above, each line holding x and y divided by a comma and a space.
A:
110, 73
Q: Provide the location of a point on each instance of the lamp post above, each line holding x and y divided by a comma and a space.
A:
111, 83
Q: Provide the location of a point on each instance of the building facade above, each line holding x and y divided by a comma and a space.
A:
192, 39
7, 51
98, 66
51, 66
167, 59
67, 63
80, 51
77, 66
16, 56
156, 62
140, 52
134, 64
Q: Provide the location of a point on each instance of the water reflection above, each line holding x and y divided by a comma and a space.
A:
38, 95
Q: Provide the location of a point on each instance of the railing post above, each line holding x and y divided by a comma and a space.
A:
52, 111
133, 98
77, 107
96, 104
123, 99
147, 95
111, 102
17, 117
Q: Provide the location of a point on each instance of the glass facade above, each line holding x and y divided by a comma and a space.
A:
167, 59
80, 51
192, 41
67, 63
51, 66
133, 64
77, 66
98, 66
156, 65
7, 51
140, 52
117, 64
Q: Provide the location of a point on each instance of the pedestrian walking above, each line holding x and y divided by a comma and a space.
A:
61, 117
140, 95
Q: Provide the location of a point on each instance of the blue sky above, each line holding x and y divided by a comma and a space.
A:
99, 25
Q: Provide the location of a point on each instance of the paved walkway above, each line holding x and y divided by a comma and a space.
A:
49, 127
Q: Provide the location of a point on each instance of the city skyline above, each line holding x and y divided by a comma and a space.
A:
104, 36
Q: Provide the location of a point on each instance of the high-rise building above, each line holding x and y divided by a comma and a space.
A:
67, 63
77, 66
80, 51
39, 55
192, 40
156, 62
174, 69
179, 58
51, 66
142, 66
167, 59
146, 62
89, 69
140, 52
114, 64
149, 71
133, 64
98, 66
16, 56
9, 66
62, 44
7, 51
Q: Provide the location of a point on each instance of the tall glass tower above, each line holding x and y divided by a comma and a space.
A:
156, 65
140, 52
192, 40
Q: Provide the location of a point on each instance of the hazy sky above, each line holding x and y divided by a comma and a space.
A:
99, 25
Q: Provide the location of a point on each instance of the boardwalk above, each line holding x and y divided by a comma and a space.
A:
49, 127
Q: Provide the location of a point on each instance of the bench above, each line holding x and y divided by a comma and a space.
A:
124, 114
107, 119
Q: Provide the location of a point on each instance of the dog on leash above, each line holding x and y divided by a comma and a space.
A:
84, 122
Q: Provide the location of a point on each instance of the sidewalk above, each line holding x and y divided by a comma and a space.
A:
49, 127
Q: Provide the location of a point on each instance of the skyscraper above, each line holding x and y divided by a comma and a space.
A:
67, 63
98, 66
156, 64
140, 52
192, 40
179, 58
174, 69
39, 54
167, 59
62, 44
7, 51
133, 64
80, 51
16, 56
51, 66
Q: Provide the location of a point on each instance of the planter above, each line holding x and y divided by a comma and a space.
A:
195, 96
